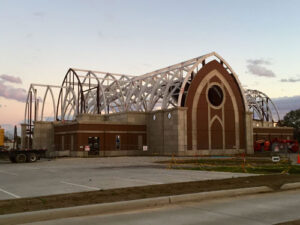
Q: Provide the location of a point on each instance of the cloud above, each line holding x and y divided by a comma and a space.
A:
259, 61
286, 104
10, 92
12, 79
290, 80
257, 67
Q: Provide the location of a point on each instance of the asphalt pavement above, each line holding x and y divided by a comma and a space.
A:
255, 209
67, 175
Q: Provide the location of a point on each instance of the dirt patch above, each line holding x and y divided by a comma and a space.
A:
252, 165
295, 222
131, 193
257, 161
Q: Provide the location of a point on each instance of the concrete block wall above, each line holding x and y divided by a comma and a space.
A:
90, 117
155, 132
182, 129
136, 118
171, 140
249, 133
166, 135
43, 136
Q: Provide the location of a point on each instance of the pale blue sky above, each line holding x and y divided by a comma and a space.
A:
40, 40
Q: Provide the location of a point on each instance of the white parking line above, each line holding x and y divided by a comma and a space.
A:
80, 185
9, 173
9, 193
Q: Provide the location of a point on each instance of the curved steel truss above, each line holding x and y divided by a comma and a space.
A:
262, 106
95, 92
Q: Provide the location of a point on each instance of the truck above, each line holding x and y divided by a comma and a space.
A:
17, 155
23, 155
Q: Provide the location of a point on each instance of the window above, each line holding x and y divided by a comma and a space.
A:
215, 95
118, 142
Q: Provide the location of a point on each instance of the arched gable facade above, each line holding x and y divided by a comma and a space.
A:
215, 110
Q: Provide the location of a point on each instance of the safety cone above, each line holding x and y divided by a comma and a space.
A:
298, 160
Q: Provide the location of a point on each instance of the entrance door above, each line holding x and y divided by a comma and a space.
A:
94, 143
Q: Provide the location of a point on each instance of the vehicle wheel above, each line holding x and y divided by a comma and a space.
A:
31, 157
12, 159
21, 158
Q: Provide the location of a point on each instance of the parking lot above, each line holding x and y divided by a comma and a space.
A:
66, 175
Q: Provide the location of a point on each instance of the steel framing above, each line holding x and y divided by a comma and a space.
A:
262, 106
95, 92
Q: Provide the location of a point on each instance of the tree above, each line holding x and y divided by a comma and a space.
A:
292, 119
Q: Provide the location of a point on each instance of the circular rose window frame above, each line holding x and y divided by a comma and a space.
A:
223, 92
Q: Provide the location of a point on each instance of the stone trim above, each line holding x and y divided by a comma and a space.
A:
100, 131
274, 134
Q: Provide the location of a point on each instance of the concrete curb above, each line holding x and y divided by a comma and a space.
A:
218, 194
290, 186
85, 210
51, 214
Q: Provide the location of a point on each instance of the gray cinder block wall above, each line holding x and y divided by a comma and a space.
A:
135, 118
23, 136
249, 133
166, 131
43, 136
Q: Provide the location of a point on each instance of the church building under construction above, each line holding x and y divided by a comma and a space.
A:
196, 107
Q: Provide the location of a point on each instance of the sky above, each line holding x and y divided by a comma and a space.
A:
40, 40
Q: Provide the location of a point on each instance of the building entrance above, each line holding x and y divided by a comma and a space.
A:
94, 143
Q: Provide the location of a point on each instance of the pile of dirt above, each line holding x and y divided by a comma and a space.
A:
131, 193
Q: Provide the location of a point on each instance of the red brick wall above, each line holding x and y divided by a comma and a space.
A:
106, 132
260, 133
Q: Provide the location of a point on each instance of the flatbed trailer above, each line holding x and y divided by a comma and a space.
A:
23, 155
